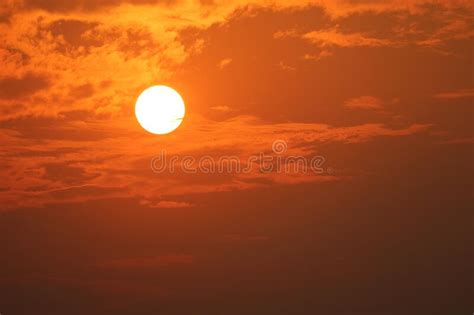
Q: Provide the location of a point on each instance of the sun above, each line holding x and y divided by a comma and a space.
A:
159, 109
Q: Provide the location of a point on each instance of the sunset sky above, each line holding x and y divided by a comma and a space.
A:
381, 91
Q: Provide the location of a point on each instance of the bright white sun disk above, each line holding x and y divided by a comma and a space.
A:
159, 109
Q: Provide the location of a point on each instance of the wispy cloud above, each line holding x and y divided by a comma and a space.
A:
364, 102
221, 108
461, 93
333, 37
166, 204
224, 63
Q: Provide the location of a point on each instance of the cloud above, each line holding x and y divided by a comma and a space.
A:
21, 87
73, 32
65, 174
283, 66
322, 54
461, 93
85, 5
364, 102
224, 63
373, 24
332, 37
166, 204
222, 108
82, 91
119, 164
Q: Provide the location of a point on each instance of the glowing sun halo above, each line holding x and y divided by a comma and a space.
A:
159, 109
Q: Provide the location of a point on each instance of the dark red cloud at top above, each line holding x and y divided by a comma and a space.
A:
85, 5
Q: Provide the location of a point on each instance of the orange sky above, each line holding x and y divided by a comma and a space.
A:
382, 90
